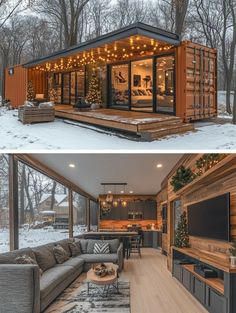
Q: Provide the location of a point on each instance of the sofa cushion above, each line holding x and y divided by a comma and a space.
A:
99, 258
26, 259
44, 256
101, 248
53, 277
60, 254
114, 244
75, 248
83, 244
9, 257
75, 262
65, 245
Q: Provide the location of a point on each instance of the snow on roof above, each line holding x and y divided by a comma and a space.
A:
48, 212
58, 197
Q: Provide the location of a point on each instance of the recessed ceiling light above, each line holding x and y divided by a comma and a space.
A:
131, 191
159, 165
71, 165
122, 191
109, 191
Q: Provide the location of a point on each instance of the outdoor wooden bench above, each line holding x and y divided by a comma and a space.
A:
29, 115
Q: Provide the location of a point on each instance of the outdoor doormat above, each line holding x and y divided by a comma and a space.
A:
76, 299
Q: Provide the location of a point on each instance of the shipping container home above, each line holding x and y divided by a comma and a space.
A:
140, 68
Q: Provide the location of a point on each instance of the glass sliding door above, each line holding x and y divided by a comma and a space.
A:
165, 84
142, 85
66, 88
120, 85
58, 80
72, 88
80, 84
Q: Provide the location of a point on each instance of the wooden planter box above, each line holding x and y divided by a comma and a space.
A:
28, 115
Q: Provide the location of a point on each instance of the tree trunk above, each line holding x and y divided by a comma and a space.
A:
234, 107
228, 94
53, 195
22, 197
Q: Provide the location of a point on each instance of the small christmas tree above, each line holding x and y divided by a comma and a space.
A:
181, 236
30, 91
94, 93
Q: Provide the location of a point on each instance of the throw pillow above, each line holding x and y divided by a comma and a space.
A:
60, 254
75, 248
26, 259
101, 248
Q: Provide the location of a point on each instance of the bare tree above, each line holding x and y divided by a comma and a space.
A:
66, 13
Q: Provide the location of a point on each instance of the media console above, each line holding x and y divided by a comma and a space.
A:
217, 295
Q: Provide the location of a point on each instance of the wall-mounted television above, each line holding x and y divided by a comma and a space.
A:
210, 218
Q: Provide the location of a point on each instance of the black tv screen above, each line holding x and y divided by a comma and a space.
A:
210, 218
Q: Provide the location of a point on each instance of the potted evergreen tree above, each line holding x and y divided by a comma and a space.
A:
232, 250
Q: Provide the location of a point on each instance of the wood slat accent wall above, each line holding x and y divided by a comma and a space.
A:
208, 187
161, 199
16, 85
39, 79
121, 224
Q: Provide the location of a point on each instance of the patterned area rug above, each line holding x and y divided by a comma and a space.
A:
75, 299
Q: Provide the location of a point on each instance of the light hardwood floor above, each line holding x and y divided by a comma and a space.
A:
153, 289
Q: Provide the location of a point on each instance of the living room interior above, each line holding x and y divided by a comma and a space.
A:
118, 233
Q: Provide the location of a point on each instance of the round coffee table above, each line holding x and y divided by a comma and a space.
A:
107, 281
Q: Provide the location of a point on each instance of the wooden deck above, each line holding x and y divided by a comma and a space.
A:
147, 126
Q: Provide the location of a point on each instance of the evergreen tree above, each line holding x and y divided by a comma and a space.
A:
181, 236
30, 91
94, 93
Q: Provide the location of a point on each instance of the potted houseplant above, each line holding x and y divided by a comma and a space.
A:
232, 250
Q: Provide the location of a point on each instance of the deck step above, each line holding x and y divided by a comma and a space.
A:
178, 128
160, 125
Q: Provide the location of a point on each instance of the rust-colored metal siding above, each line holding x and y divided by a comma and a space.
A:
16, 85
196, 81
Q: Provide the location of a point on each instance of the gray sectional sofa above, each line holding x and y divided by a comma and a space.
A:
24, 290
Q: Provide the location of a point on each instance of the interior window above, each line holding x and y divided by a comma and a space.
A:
120, 85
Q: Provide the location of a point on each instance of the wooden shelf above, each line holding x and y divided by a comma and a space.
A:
216, 283
221, 169
206, 258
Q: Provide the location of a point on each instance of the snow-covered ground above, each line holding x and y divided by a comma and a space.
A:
36, 237
60, 135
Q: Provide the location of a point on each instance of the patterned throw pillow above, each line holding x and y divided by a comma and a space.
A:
75, 248
101, 248
26, 259
60, 254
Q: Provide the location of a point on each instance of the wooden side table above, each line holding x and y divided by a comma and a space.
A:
108, 281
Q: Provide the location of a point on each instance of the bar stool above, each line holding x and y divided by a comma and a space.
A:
135, 245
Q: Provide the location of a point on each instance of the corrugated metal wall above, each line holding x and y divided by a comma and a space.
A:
196, 81
16, 85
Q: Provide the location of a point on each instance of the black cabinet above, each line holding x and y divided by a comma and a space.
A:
177, 271
147, 239
199, 289
149, 209
186, 279
215, 302
156, 240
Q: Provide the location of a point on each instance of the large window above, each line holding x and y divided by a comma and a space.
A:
93, 216
43, 208
165, 84
79, 214
4, 207
142, 85
120, 85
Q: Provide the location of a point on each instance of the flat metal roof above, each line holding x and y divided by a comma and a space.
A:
131, 30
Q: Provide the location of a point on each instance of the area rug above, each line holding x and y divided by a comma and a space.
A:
75, 299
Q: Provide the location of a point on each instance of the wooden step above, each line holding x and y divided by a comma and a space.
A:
153, 134
160, 124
